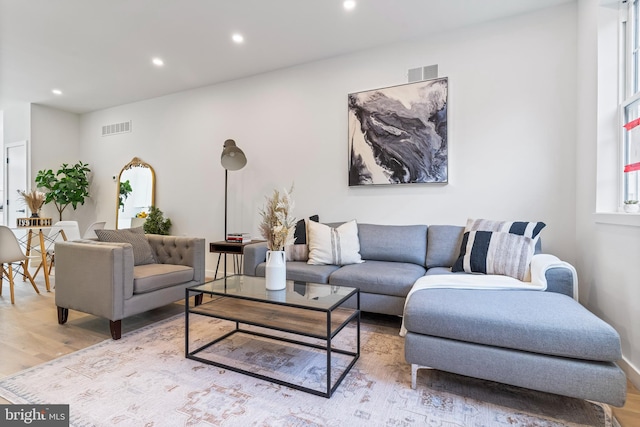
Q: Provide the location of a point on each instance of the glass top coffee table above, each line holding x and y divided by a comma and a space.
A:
315, 311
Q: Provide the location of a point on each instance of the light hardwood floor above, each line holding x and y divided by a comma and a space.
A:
30, 335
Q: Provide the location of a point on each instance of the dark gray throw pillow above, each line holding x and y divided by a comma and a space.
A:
142, 252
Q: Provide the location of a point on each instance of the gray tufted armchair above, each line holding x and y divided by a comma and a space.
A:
100, 278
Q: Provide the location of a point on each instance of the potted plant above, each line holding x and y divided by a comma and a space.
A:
68, 186
631, 206
156, 223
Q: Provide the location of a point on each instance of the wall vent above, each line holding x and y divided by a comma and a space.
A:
422, 73
116, 128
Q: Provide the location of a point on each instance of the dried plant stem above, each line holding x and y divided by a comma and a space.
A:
278, 224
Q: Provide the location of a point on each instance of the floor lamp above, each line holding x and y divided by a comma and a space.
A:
232, 159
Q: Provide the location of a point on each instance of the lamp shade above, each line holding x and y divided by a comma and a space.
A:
232, 157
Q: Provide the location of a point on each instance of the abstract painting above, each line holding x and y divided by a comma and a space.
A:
398, 135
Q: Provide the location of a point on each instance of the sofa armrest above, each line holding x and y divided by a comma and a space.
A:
94, 277
560, 276
254, 255
178, 250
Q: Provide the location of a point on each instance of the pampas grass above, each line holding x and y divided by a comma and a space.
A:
34, 199
278, 224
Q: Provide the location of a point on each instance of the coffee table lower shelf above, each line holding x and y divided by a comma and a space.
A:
263, 317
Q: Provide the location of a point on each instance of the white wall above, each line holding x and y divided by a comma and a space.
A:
55, 139
511, 132
16, 121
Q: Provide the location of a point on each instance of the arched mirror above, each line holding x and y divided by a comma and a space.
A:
136, 193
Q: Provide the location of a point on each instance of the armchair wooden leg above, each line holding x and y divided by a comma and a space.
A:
116, 329
198, 299
63, 315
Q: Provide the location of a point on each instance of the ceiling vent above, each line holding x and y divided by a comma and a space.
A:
116, 128
422, 73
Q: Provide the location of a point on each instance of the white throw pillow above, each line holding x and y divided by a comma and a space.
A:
334, 246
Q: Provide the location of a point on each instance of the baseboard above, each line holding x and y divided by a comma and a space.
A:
633, 374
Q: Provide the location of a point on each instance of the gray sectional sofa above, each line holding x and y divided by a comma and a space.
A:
542, 340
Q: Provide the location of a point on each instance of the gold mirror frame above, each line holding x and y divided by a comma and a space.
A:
135, 163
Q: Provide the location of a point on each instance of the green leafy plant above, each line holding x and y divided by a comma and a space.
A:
125, 190
630, 202
68, 186
156, 223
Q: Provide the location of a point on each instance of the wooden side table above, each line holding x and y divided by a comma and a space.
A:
230, 248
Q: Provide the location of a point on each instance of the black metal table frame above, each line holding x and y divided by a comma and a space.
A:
328, 348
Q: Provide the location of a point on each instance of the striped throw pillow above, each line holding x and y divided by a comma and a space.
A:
488, 252
522, 228
333, 246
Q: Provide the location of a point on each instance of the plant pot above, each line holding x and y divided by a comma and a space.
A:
632, 208
276, 271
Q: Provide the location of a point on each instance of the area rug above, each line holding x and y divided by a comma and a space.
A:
144, 379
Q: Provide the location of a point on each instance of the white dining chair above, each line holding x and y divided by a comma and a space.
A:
11, 255
71, 231
90, 232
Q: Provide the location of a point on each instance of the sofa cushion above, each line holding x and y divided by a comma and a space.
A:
400, 243
300, 270
489, 252
151, 277
142, 252
337, 246
534, 321
443, 245
379, 277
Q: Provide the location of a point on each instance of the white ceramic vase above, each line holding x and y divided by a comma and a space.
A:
631, 208
276, 271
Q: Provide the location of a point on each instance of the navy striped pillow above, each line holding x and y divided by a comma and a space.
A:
488, 252
521, 228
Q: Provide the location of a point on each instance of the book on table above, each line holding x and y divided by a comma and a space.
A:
238, 237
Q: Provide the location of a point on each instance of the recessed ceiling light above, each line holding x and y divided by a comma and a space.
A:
56, 91
237, 38
157, 62
349, 4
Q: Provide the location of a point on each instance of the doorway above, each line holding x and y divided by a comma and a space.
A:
16, 179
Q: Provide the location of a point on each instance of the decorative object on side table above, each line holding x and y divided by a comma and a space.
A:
277, 228
34, 200
631, 206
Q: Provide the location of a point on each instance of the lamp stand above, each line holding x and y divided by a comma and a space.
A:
226, 179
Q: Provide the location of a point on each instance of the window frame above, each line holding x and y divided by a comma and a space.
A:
629, 93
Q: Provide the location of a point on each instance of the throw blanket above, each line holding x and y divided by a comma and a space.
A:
539, 265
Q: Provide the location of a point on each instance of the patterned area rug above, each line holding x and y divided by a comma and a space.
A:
145, 380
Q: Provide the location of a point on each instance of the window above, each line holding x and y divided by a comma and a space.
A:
630, 107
